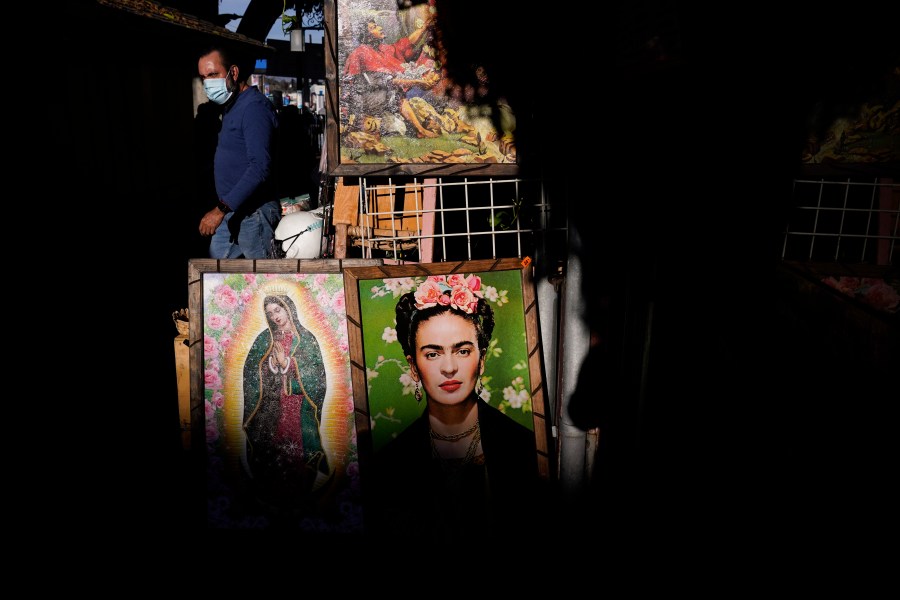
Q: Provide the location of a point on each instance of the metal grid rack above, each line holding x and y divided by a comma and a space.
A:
851, 222
414, 219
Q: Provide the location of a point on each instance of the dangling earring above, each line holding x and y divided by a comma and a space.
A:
418, 393
480, 387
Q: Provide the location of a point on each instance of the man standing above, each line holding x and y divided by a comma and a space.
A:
243, 223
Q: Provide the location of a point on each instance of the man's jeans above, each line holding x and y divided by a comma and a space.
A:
255, 236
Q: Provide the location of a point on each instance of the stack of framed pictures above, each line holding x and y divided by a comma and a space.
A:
300, 382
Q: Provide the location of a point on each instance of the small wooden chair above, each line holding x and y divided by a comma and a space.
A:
395, 218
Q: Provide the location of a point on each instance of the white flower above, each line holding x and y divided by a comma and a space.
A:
408, 383
389, 335
515, 399
399, 286
485, 395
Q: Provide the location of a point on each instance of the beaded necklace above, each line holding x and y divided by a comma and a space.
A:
470, 451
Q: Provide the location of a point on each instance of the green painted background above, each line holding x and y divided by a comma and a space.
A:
392, 404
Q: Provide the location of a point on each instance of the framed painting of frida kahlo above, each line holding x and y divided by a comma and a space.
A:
271, 397
446, 358
391, 106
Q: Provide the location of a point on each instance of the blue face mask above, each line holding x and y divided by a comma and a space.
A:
217, 90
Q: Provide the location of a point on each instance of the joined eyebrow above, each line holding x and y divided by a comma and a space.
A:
455, 346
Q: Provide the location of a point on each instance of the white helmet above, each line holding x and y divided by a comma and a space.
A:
299, 235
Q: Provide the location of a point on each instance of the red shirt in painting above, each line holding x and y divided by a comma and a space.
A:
386, 58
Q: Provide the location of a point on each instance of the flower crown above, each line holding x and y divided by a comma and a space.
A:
457, 291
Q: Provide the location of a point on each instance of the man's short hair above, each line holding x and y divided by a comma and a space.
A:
233, 57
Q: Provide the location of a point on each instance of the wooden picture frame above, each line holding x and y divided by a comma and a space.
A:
396, 113
277, 429
512, 380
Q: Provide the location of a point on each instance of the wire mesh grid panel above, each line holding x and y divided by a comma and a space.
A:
459, 218
843, 221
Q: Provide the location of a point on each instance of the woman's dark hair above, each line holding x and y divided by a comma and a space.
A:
409, 318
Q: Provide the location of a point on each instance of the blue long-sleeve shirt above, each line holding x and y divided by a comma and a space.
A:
244, 170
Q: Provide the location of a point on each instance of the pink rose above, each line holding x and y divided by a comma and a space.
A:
215, 321
226, 298
462, 298
428, 294
849, 285
882, 296
456, 279
338, 302
218, 399
246, 295
249, 278
224, 342
210, 347
474, 284
211, 379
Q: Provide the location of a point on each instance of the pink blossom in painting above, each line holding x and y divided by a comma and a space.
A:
873, 291
882, 296
210, 347
211, 379
215, 321
226, 298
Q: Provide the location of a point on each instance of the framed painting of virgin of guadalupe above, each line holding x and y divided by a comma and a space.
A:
392, 107
271, 397
447, 359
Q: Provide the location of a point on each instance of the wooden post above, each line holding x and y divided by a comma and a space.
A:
182, 378
426, 245
888, 201
345, 213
